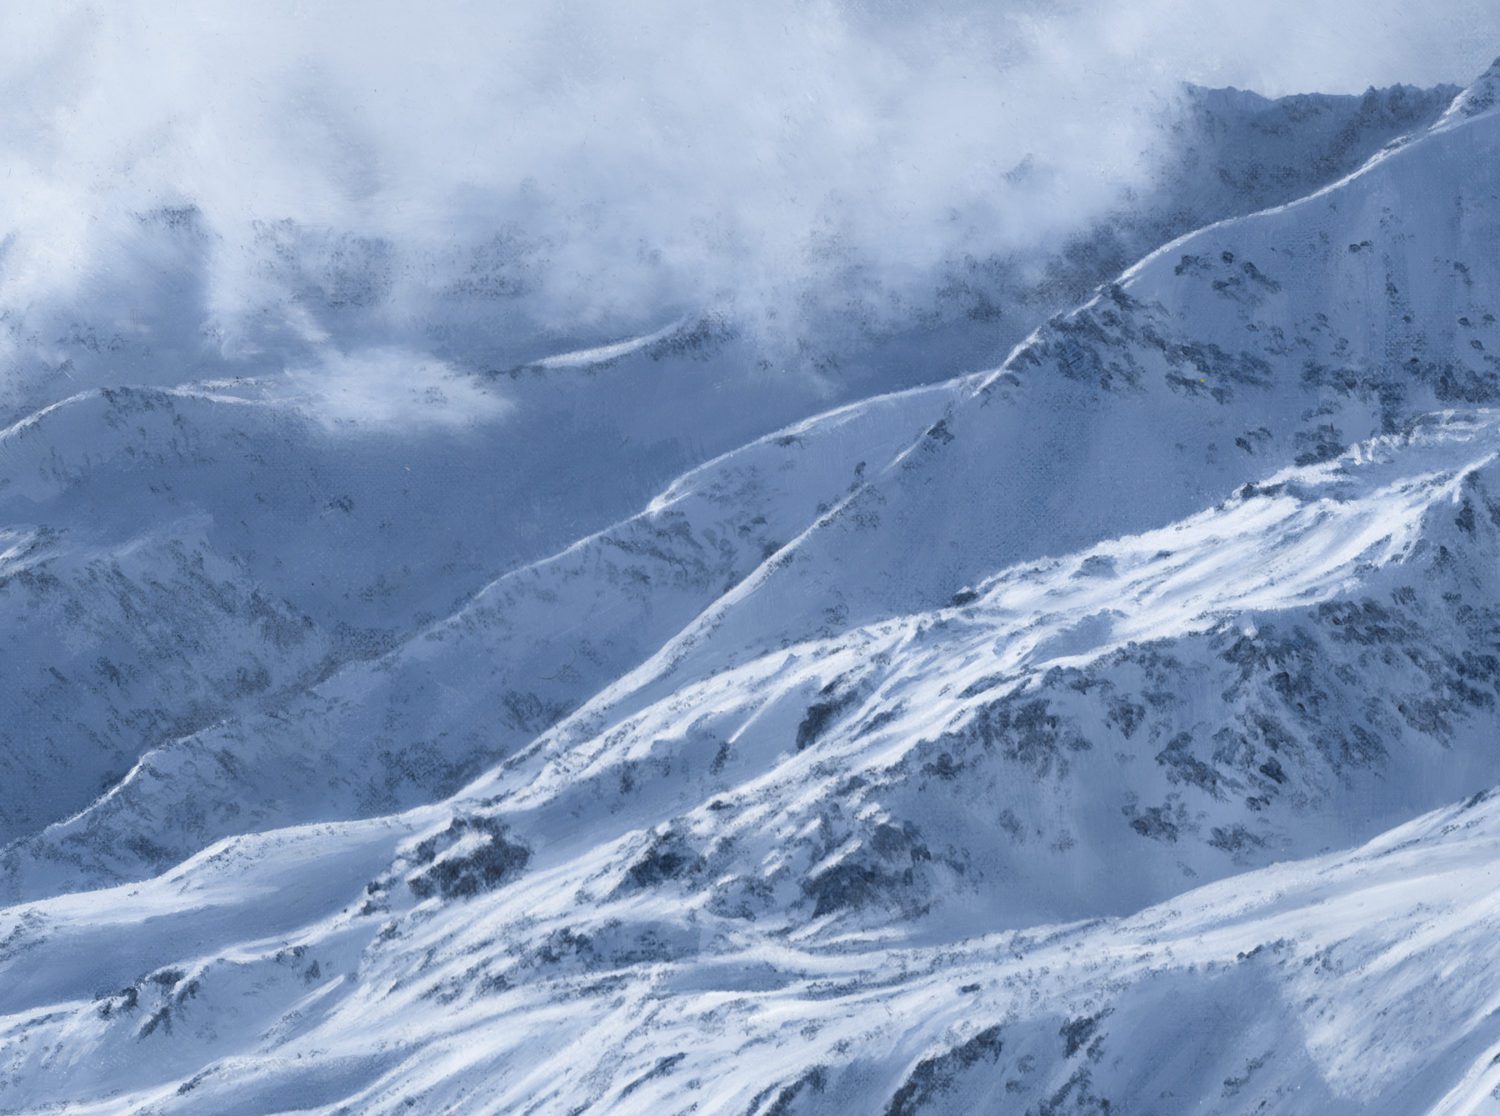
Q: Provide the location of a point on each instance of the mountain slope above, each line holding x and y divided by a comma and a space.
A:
1248, 346
1130, 357
761, 870
850, 807
420, 721
789, 923
327, 500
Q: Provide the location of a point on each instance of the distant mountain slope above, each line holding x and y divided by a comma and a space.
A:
178, 556
417, 723
1236, 152
147, 319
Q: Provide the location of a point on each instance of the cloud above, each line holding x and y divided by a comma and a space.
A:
583, 167
386, 388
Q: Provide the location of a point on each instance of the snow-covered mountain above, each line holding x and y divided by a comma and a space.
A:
985, 744
183, 560
420, 721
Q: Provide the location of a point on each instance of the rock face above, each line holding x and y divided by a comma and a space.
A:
985, 746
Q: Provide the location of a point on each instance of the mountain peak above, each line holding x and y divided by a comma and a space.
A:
1482, 95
